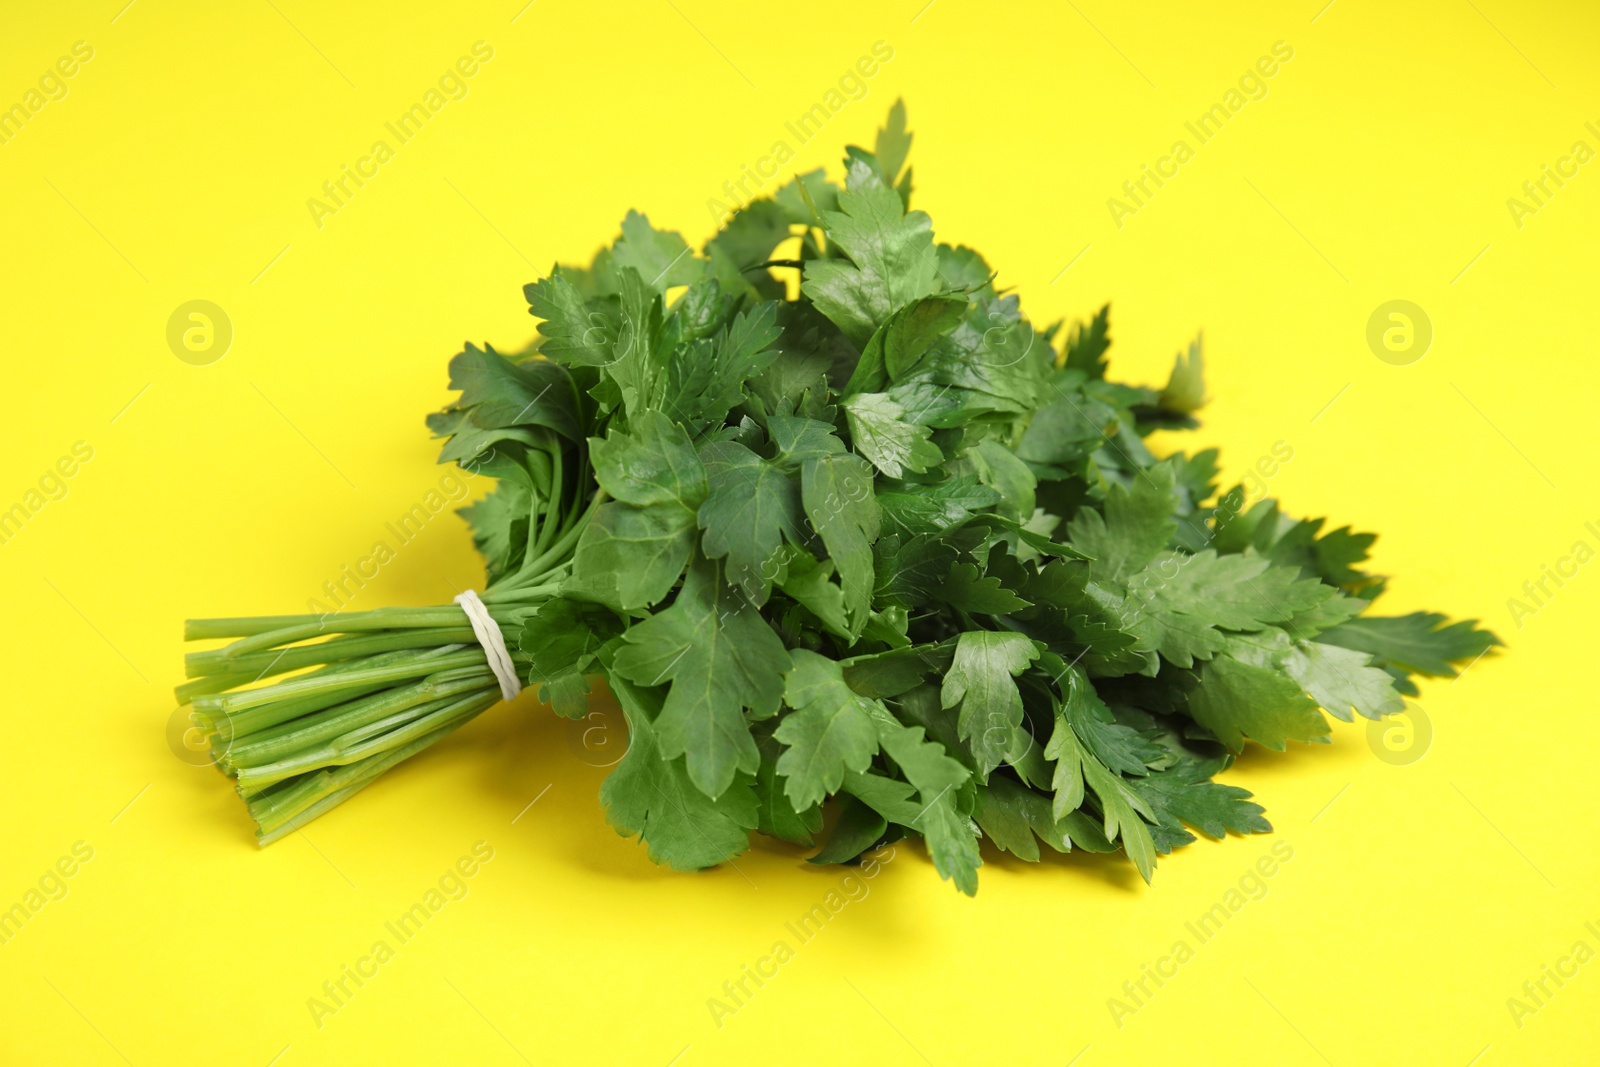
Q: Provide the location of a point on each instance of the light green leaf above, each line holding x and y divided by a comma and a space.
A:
630, 557
572, 332
562, 637
1137, 524
1186, 388
720, 661
1342, 678
1419, 643
837, 493
1236, 700
652, 797
981, 679
828, 732
752, 507
891, 258
893, 143
652, 462
1120, 806
891, 444
807, 580
661, 257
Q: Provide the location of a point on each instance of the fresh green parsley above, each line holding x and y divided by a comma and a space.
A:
883, 549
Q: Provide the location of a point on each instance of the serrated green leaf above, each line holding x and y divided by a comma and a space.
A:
809, 582
1121, 748
913, 508
572, 332
661, 257
749, 236
706, 379
630, 557
858, 828
893, 143
1182, 600
891, 260
967, 589
829, 731
1086, 345
982, 681
562, 637
1341, 679
751, 508
653, 797
1421, 643
775, 815
1120, 806
720, 660
926, 763
892, 445
1185, 390
652, 462
499, 392
1186, 793
1236, 700
1137, 524
836, 491
499, 525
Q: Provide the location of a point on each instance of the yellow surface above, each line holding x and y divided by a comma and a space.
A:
1420, 895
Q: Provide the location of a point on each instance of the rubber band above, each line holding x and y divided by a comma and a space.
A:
494, 643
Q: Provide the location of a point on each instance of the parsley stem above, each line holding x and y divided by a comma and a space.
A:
288, 806
250, 698
570, 538
546, 527
357, 716
377, 619
277, 661
344, 751
246, 626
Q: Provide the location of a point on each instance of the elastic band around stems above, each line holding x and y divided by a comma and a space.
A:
494, 644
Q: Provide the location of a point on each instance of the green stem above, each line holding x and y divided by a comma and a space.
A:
295, 736
547, 523
365, 689
244, 626
376, 619
398, 672
340, 753
238, 724
564, 544
279, 661
282, 811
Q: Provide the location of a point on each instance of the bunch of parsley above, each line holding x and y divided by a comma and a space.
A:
842, 528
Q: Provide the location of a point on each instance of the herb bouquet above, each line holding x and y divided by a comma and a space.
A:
838, 527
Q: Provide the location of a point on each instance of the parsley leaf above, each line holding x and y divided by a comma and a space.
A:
562, 638
837, 493
1419, 643
892, 445
1137, 524
889, 257
1236, 700
753, 506
653, 797
981, 680
831, 730
720, 660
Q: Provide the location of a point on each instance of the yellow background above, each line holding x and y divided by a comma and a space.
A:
1420, 896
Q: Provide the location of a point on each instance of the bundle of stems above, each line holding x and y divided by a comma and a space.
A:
304, 711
